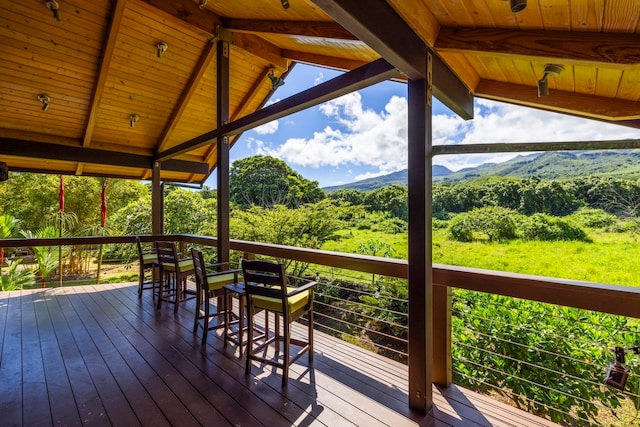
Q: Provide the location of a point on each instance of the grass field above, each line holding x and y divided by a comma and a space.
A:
611, 258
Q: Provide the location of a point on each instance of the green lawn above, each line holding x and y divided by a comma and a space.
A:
612, 258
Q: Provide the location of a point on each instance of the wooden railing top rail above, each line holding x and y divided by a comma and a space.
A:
620, 300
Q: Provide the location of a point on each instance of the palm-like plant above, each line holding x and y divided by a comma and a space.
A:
45, 256
16, 279
8, 228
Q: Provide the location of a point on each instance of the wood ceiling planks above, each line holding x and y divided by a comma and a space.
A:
96, 81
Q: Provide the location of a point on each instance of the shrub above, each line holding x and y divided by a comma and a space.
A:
489, 223
547, 228
391, 226
593, 218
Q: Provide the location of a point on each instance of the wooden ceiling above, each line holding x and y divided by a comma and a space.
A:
99, 65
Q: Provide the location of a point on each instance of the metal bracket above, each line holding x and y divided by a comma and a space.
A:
429, 78
222, 34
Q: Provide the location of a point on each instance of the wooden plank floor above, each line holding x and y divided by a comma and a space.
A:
97, 355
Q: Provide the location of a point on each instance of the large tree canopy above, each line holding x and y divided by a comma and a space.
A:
266, 182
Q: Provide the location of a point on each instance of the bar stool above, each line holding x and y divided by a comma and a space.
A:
173, 275
147, 261
210, 284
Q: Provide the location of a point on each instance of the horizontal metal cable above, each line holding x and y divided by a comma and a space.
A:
362, 328
344, 310
511, 393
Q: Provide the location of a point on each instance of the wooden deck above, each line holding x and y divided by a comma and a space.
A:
96, 355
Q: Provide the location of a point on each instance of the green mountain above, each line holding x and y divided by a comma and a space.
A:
552, 165
395, 178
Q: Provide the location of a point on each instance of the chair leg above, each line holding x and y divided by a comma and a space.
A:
161, 289
197, 314
141, 280
247, 368
287, 350
205, 321
310, 337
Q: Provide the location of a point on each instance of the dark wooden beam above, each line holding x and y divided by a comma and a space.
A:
157, 201
359, 78
222, 161
367, 75
39, 150
322, 29
105, 63
377, 24
420, 340
575, 104
601, 47
525, 147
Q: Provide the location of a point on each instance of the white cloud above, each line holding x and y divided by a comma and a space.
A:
360, 136
319, 79
267, 128
363, 137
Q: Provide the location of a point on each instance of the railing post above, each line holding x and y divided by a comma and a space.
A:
420, 345
442, 371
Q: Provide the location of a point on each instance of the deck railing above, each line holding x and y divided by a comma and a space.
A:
589, 297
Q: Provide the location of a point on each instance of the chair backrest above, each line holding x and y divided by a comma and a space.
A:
265, 278
166, 252
199, 267
139, 245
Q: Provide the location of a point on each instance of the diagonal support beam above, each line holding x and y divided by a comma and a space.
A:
359, 78
114, 28
187, 94
381, 28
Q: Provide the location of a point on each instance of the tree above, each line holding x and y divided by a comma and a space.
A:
266, 182
392, 199
308, 226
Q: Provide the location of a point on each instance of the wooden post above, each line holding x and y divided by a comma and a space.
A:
420, 263
442, 335
222, 112
157, 201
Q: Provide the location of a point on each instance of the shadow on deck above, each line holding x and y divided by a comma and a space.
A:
97, 355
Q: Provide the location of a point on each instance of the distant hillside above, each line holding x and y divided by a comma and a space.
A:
552, 165
399, 178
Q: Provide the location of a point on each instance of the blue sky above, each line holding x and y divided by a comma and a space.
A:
364, 134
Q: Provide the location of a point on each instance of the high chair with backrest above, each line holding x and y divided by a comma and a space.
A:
210, 284
173, 275
266, 287
148, 261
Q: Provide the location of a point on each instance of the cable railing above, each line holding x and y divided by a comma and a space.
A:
557, 371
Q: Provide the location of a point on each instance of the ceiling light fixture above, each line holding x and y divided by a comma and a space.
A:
133, 119
45, 101
549, 70
276, 82
203, 4
162, 48
285, 4
53, 6
518, 5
